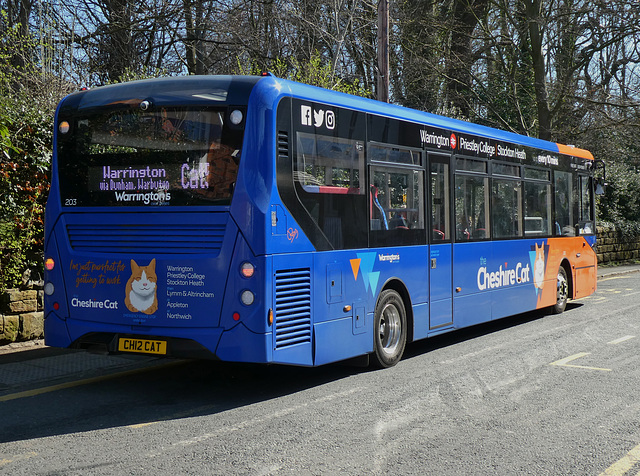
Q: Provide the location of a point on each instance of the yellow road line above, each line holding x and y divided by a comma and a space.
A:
612, 277
78, 383
565, 362
620, 340
16, 458
142, 425
176, 416
624, 464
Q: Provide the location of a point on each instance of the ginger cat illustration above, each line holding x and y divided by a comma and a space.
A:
538, 267
141, 288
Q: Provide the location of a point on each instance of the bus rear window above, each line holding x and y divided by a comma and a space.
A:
165, 156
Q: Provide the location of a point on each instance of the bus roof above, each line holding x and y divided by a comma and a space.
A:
399, 112
183, 90
208, 90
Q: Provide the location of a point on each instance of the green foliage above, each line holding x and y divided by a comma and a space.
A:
26, 113
315, 72
26, 153
619, 149
132, 75
621, 201
629, 229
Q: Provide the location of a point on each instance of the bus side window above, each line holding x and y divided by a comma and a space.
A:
583, 209
506, 208
564, 213
537, 202
471, 206
440, 201
396, 206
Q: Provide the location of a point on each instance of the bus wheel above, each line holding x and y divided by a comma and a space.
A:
389, 329
562, 293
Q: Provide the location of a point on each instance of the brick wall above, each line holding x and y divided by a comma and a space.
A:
616, 246
21, 315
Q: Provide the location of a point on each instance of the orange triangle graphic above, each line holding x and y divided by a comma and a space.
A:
355, 267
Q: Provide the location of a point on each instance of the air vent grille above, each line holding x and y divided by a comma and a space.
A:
146, 239
283, 145
293, 307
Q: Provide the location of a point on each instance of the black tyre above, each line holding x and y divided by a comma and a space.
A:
389, 329
562, 291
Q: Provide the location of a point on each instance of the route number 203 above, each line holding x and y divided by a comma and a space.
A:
70, 202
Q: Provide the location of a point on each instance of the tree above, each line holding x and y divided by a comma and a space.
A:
28, 95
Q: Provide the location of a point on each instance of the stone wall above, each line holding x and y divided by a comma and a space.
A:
615, 246
21, 315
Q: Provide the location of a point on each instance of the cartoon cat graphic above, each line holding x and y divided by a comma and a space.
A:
141, 288
538, 267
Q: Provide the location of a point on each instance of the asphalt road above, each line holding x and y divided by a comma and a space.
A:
534, 394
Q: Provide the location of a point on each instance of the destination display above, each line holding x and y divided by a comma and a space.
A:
164, 157
151, 183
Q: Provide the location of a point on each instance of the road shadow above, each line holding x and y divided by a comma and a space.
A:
461, 335
179, 389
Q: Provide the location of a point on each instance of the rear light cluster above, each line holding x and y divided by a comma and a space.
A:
49, 288
247, 270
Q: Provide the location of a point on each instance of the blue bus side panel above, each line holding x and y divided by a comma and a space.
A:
440, 315
324, 302
336, 341
421, 317
239, 344
55, 327
471, 309
497, 279
56, 331
508, 301
440, 272
347, 285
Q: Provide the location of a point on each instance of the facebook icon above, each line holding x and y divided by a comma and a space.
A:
305, 112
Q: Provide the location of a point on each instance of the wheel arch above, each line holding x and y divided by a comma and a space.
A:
568, 269
398, 286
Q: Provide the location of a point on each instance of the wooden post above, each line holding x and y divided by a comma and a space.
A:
383, 50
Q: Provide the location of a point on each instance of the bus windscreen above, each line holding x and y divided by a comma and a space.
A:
131, 157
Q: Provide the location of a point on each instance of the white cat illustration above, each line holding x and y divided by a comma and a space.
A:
538, 267
141, 288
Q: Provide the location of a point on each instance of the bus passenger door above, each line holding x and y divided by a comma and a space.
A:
440, 248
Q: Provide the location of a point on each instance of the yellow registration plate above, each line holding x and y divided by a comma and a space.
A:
143, 346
